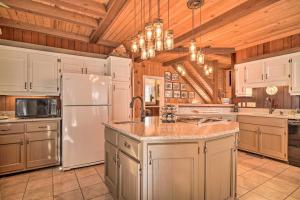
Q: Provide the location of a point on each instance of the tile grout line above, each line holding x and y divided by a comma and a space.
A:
26, 187
79, 185
292, 192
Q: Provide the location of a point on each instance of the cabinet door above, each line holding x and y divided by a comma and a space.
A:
248, 137
12, 152
120, 69
121, 97
220, 169
129, 178
277, 70
295, 75
111, 168
13, 71
41, 148
240, 89
72, 65
254, 73
273, 142
43, 73
173, 171
95, 67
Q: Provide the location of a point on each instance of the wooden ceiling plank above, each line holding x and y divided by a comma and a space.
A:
114, 10
226, 18
44, 10
89, 4
51, 31
101, 13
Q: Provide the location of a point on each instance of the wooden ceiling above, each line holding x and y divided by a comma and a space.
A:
225, 23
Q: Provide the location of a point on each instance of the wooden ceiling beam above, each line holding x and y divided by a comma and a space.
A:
175, 61
100, 13
208, 50
112, 13
49, 11
237, 12
89, 4
51, 31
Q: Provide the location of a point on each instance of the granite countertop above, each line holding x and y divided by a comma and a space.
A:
275, 115
206, 105
15, 120
153, 129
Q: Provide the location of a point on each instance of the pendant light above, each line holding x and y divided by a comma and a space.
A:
169, 34
134, 44
158, 23
193, 47
200, 54
144, 53
149, 26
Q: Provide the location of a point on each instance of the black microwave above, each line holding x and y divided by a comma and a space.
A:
36, 107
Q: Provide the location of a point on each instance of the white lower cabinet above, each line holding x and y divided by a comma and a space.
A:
170, 170
173, 171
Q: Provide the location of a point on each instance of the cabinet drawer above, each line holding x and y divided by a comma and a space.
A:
267, 121
12, 128
41, 126
111, 136
248, 127
129, 146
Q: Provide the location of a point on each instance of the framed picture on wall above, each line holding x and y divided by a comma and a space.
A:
168, 93
176, 86
175, 76
176, 94
168, 76
183, 86
191, 95
168, 86
184, 94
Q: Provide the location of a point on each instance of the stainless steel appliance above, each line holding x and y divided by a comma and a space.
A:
36, 107
294, 142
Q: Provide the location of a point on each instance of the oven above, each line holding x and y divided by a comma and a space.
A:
294, 142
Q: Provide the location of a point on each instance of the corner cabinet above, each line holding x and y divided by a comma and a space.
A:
240, 89
178, 169
294, 74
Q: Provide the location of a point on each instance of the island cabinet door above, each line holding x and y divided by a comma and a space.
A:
129, 178
220, 170
111, 168
173, 171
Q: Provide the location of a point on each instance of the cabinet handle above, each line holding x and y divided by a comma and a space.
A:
150, 157
114, 87
127, 145
4, 130
85, 70
114, 159
266, 75
43, 127
21, 143
30, 85
114, 75
25, 85
262, 77
82, 70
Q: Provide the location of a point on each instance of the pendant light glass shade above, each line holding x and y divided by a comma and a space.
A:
206, 72
200, 57
149, 31
193, 47
169, 40
134, 46
158, 28
210, 70
141, 40
150, 50
193, 56
144, 55
159, 46
205, 67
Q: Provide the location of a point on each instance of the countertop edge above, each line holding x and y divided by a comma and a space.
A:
15, 120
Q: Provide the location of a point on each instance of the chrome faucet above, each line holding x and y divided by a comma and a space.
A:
271, 104
142, 106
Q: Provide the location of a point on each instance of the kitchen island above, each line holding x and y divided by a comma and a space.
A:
153, 160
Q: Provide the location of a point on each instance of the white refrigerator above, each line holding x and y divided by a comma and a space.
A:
86, 105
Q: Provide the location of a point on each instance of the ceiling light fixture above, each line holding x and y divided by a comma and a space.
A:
200, 54
169, 34
193, 47
134, 44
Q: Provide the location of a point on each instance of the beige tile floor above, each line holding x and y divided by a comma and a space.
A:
258, 179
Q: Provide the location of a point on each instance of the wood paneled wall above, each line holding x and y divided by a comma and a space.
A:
33, 37
155, 69
276, 47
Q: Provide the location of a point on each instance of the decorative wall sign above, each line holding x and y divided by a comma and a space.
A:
183, 86
168, 86
176, 86
176, 94
191, 95
184, 94
175, 76
168, 93
168, 76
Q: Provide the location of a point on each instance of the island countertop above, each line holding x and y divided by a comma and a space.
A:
153, 129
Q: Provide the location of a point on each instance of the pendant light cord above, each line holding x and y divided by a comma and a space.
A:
168, 14
149, 11
134, 17
200, 26
193, 21
158, 8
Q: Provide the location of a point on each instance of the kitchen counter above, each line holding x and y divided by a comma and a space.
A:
275, 115
153, 129
206, 105
15, 120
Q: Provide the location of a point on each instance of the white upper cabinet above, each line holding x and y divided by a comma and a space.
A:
295, 74
121, 96
13, 71
119, 68
277, 70
72, 65
240, 89
95, 66
43, 73
254, 73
